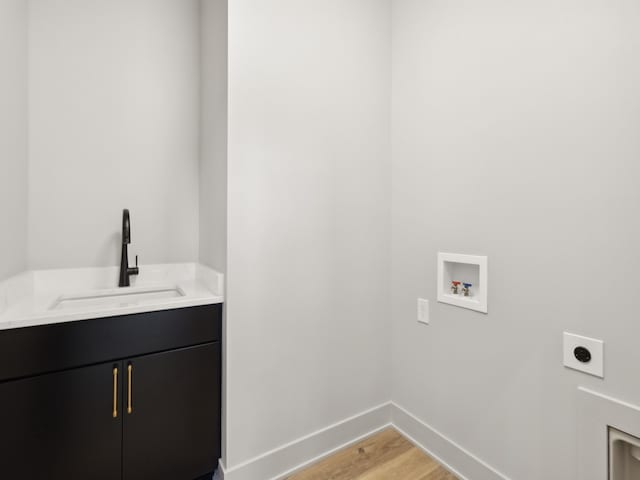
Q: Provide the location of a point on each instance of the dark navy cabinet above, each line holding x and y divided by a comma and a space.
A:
60, 426
134, 397
175, 415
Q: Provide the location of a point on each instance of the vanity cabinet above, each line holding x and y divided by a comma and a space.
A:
174, 414
59, 426
134, 397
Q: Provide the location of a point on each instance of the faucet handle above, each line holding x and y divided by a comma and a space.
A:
134, 270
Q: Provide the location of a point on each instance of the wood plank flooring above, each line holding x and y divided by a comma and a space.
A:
384, 456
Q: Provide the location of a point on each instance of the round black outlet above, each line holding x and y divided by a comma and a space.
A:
582, 354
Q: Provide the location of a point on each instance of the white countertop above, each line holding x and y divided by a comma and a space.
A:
44, 297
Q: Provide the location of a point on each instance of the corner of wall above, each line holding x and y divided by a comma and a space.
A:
213, 134
14, 128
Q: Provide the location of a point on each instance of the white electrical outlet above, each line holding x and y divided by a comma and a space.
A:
584, 354
423, 311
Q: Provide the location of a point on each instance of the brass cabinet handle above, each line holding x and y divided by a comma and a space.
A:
115, 392
130, 374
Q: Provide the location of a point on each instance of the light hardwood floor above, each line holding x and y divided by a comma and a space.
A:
384, 456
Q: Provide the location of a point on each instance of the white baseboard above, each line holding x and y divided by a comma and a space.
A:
448, 453
287, 459
293, 456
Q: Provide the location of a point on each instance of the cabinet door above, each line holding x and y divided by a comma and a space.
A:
172, 431
63, 426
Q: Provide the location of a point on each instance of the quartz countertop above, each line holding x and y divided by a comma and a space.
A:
44, 297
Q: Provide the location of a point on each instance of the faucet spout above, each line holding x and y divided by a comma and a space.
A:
125, 270
126, 227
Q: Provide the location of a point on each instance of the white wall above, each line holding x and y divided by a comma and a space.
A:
515, 135
307, 278
213, 138
13, 137
114, 118
213, 147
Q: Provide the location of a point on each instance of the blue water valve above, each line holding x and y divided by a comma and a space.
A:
466, 291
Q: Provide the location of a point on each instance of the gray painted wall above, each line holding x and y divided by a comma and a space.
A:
114, 123
515, 135
13, 137
308, 257
214, 46
213, 134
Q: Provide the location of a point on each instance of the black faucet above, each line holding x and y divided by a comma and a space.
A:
125, 270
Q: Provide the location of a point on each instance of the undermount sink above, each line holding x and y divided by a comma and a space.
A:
116, 298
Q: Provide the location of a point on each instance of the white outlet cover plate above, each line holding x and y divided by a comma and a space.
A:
595, 366
423, 311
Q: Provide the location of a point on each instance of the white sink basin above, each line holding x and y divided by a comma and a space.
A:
116, 298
